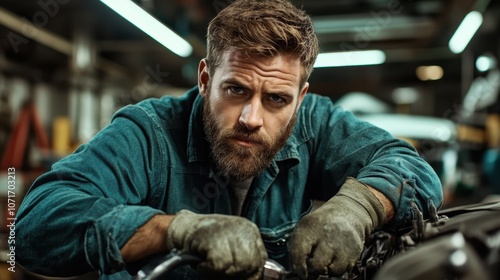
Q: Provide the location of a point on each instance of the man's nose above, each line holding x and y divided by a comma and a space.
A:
251, 115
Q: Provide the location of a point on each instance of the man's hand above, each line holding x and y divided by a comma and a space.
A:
330, 239
230, 245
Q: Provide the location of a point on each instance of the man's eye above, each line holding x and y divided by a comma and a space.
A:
236, 90
277, 99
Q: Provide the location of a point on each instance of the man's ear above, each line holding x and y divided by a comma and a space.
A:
203, 77
302, 94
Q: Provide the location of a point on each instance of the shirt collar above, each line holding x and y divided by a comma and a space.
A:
197, 146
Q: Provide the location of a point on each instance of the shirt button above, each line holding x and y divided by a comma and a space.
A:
281, 242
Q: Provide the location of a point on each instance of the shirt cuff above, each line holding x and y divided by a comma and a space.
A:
108, 234
401, 194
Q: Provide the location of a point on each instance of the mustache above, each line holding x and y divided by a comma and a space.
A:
243, 133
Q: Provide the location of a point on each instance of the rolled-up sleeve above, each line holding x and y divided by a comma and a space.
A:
76, 217
106, 235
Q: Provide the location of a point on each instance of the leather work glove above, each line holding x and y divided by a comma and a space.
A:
230, 246
330, 240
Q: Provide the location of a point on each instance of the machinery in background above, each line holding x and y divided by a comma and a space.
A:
458, 243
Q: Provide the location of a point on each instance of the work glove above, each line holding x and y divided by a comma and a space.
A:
330, 239
230, 246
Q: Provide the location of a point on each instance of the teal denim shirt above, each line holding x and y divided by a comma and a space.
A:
153, 158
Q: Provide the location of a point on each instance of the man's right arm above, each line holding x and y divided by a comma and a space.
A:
77, 217
148, 239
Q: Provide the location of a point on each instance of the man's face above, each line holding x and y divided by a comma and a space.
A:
250, 107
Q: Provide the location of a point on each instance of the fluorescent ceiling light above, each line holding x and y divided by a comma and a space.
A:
485, 62
352, 58
465, 31
151, 26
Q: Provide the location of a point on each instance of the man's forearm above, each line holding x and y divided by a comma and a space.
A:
386, 203
148, 239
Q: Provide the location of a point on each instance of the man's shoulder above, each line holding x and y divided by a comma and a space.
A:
170, 105
168, 110
316, 104
314, 100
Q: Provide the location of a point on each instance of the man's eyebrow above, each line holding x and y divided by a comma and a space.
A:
235, 82
242, 84
281, 94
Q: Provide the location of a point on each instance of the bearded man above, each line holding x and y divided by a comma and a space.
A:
228, 171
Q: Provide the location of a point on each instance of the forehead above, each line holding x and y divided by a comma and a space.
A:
280, 67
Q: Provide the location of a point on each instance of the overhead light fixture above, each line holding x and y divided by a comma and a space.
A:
351, 58
151, 26
465, 31
485, 62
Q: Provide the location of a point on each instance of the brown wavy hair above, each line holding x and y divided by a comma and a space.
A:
263, 28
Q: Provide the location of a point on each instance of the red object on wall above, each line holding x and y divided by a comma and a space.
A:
17, 145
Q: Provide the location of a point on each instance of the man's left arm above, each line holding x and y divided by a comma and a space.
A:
386, 204
344, 146
370, 180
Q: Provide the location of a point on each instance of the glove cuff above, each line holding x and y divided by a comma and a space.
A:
176, 230
364, 198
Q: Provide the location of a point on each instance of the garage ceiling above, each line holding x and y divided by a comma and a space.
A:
412, 33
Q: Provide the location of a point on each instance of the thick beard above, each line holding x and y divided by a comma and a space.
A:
236, 162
